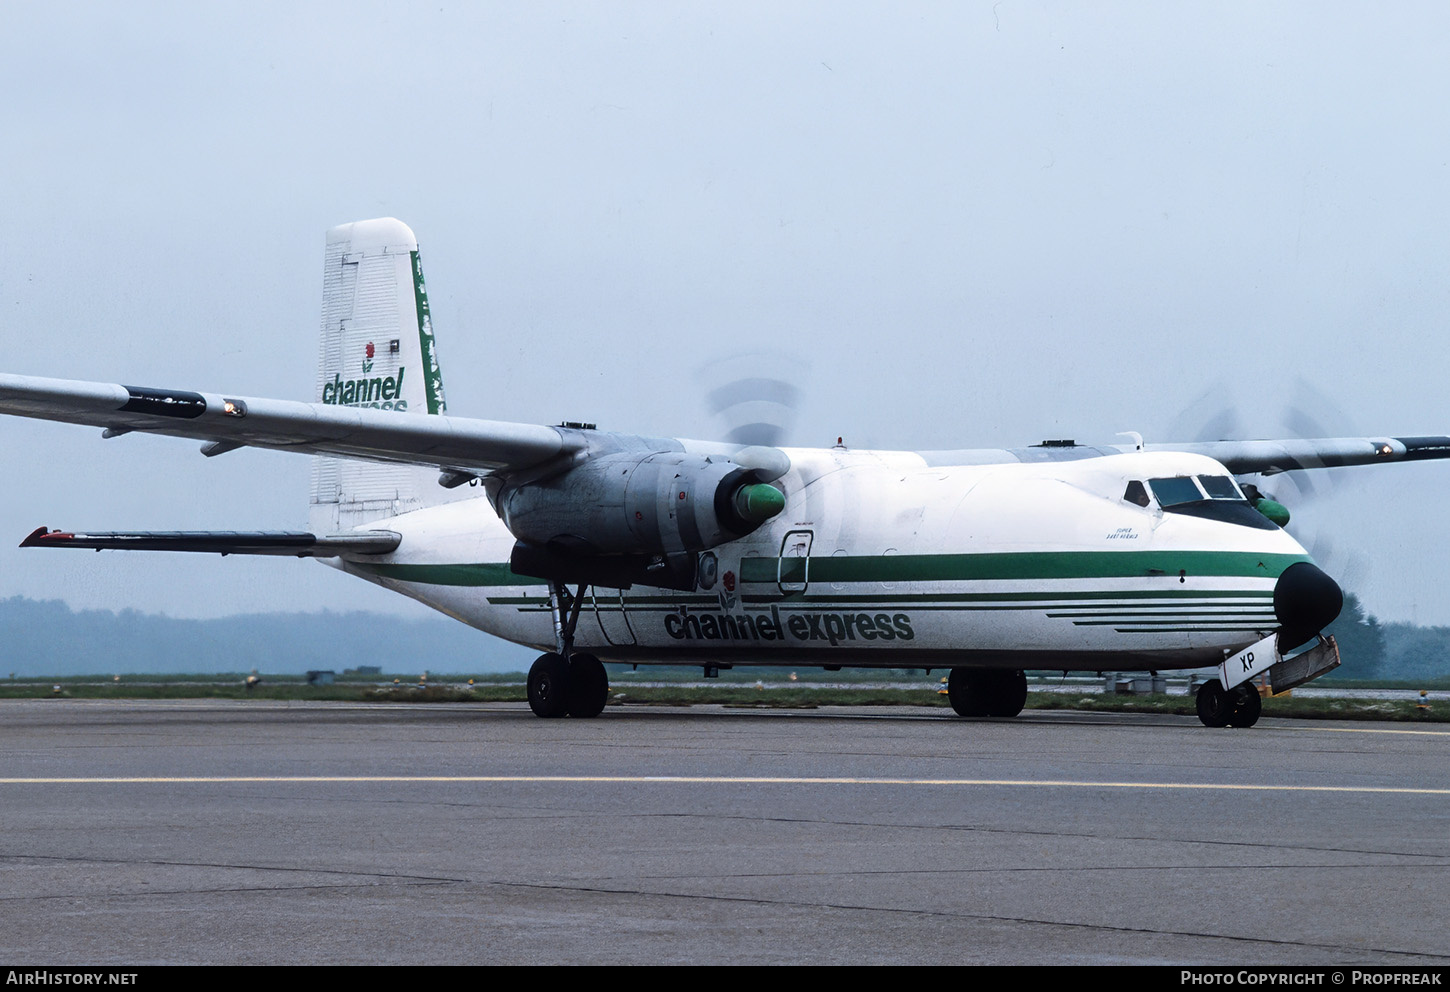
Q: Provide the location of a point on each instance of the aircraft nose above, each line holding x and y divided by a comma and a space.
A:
1306, 601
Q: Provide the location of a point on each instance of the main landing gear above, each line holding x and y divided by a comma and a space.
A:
987, 691
1236, 707
561, 682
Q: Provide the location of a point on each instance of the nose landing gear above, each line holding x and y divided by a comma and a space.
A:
1236, 707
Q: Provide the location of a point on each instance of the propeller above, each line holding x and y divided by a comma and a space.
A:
751, 397
1308, 412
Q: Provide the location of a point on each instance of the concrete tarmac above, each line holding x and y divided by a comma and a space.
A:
140, 832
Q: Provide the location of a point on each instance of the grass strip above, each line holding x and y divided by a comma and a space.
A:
737, 696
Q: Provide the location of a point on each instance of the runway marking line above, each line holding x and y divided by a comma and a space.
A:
710, 780
1370, 730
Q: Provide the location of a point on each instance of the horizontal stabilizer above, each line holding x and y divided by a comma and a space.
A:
222, 542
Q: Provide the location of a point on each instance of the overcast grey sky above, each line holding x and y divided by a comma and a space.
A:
975, 223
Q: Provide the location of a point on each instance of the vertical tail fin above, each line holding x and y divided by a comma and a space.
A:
377, 351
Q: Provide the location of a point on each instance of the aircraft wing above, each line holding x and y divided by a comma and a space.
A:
1239, 457
1272, 457
227, 422
473, 446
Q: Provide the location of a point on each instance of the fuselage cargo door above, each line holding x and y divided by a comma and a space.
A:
793, 567
610, 611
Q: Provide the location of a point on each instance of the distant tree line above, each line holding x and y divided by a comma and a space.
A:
1372, 650
49, 638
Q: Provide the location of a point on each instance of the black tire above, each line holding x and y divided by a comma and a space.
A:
1247, 705
549, 686
1213, 704
1008, 693
964, 692
588, 686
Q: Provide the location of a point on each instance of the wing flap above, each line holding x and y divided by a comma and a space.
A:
353, 432
288, 543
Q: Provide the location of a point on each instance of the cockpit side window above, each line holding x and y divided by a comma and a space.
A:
1136, 494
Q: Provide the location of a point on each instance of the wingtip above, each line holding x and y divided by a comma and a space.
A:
40, 537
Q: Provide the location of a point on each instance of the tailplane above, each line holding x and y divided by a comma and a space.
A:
377, 351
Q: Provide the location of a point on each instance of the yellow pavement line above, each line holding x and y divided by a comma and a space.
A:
1368, 730
710, 780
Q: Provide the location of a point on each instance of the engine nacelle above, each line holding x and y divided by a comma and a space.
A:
661, 503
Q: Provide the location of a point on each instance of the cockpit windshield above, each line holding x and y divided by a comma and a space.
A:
1214, 497
1194, 489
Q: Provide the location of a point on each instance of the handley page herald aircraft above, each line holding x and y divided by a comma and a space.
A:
587, 544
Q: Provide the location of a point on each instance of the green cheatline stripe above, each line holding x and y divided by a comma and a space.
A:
1157, 609
660, 604
926, 568
1190, 630
1102, 618
644, 602
1020, 565
928, 603
887, 604
542, 606
1055, 609
1100, 601
1161, 617
1034, 597
478, 574
1236, 622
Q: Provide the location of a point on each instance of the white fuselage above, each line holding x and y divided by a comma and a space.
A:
881, 560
